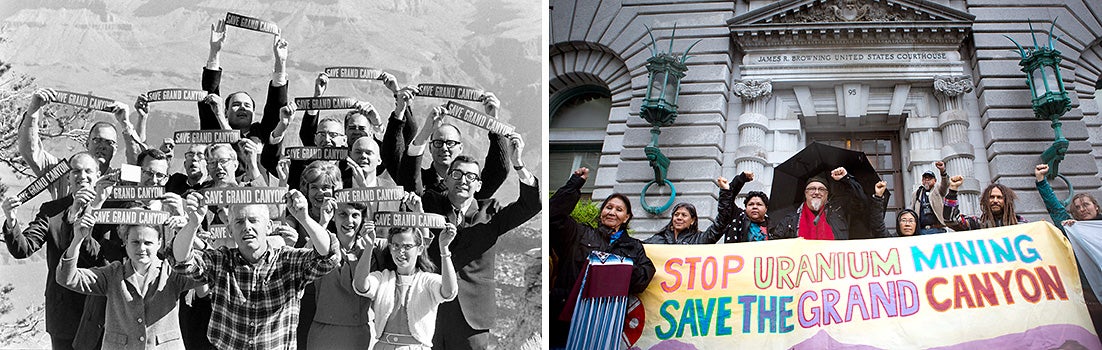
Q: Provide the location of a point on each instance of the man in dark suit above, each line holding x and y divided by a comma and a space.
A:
465, 322
53, 227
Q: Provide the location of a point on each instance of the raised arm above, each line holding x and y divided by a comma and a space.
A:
878, 204
1055, 208
564, 230
398, 131
319, 237
212, 79
726, 209
943, 185
449, 285
30, 143
496, 167
23, 244
362, 282
84, 281
132, 143
196, 210
277, 94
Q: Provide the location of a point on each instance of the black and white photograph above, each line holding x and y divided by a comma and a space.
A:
254, 174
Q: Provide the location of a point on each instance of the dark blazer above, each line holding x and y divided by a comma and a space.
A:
276, 99
413, 178
840, 207
65, 309
709, 236
474, 251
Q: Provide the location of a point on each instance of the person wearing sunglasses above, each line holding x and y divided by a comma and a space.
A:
465, 323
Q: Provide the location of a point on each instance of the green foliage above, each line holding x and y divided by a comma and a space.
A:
585, 212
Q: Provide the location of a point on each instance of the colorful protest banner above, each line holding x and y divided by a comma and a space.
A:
83, 100
43, 182
370, 194
985, 289
130, 216
325, 102
1086, 241
244, 195
477, 118
363, 73
136, 193
404, 219
316, 153
206, 136
451, 92
250, 23
175, 94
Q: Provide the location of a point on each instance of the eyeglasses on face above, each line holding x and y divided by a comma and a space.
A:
101, 141
815, 189
442, 143
331, 134
222, 162
403, 247
459, 174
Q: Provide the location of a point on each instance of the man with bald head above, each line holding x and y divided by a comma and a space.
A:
53, 227
445, 143
255, 288
101, 144
195, 171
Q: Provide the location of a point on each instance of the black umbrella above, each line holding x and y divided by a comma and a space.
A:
790, 178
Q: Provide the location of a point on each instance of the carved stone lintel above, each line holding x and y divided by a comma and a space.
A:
952, 86
850, 11
753, 89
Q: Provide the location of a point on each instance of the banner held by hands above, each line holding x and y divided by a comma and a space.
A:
43, 182
130, 216
244, 195
370, 194
206, 136
451, 92
251, 23
363, 73
478, 119
404, 219
175, 94
83, 101
136, 193
325, 102
316, 153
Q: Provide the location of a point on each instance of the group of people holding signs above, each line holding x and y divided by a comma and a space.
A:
345, 242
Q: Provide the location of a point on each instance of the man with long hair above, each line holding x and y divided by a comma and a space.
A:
996, 207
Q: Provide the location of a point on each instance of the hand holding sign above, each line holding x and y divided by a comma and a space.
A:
390, 81
217, 36
402, 98
9, 204
121, 112
516, 149
279, 50
491, 103
296, 204
40, 98
412, 203
368, 110
359, 179
447, 237
83, 228
320, 83
196, 208
328, 210
141, 105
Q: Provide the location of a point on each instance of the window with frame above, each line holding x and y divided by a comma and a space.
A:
577, 130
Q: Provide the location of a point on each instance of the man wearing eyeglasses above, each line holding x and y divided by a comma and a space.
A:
464, 323
817, 218
195, 171
445, 143
101, 144
72, 320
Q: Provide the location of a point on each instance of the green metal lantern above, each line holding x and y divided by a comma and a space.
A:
1041, 65
664, 73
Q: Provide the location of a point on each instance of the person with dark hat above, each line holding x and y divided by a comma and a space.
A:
816, 218
928, 202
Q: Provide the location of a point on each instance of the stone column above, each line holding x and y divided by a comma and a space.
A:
752, 125
957, 152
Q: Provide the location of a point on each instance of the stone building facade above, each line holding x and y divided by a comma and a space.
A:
909, 82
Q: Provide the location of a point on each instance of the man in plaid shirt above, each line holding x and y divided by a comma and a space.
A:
255, 289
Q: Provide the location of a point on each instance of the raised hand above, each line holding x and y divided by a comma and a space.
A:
9, 204
196, 208
723, 183
173, 203
955, 182
1067, 222
40, 98
359, 178
250, 148
83, 228
582, 172
121, 112
141, 105
412, 203
1040, 171
296, 204
368, 110
838, 174
516, 149
283, 167
328, 210
491, 103
403, 97
167, 145
749, 175
287, 112
389, 81
279, 49
84, 195
217, 35
320, 83
940, 167
447, 236
881, 187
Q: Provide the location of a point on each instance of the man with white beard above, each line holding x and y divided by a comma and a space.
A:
928, 201
818, 218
